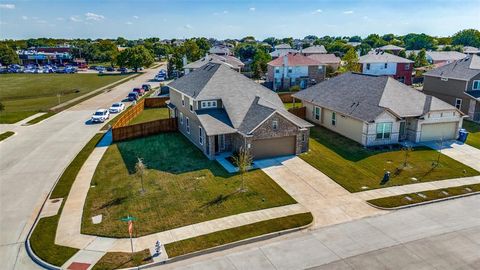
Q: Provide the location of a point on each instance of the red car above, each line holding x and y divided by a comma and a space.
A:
140, 91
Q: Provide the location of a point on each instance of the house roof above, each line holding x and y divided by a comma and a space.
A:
282, 46
325, 58
294, 59
382, 57
228, 60
470, 49
445, 55
317, 49
245, 102
219, 49
463, 69
282, 52
391, 47
365, 97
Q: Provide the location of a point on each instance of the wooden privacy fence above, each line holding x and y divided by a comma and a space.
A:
300, 112
144, 129
156, 102
286, 97
131, 113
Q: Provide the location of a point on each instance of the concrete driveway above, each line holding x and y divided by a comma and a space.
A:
461, 152
33, 159
329, 202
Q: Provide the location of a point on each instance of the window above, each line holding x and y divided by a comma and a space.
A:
458, 103
384, 130
277, 70
368, 66
183, 100
187, 124
275, 125
476, 85
316, 113
303, 137
200, 135
191, 104
181, 118
320, 68
407, 66
385, 66
289, 70
209, 104
334, 118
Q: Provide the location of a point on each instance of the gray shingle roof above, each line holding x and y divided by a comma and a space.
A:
445, 55
228, 60
463, 69
282, 52
391, 47
283, 46
244, 100
315, 49
382, 57
216, 120
366, 96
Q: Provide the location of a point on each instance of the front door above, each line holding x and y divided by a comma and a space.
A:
403, 133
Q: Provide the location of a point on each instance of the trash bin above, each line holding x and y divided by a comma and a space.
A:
462, 135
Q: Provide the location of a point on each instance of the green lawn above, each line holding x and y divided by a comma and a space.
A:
119, 260
6, 134
236, 234
474, 133
430, 195
24, 95
150, 114
182, 187
353, 166
291, 105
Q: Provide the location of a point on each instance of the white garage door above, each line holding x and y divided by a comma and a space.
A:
433, 132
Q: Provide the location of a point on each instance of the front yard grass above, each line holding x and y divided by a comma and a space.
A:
236, 234
429, 195
6, 134
353, 166
473, 138
119, 260
150, 114
182, 187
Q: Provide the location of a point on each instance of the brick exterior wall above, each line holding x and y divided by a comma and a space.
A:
404, 70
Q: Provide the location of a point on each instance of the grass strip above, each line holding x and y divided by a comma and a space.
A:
430, 195
6, 134
42, 239
118, 260
236, 234
40, 118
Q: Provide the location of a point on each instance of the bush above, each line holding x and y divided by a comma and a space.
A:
295, 88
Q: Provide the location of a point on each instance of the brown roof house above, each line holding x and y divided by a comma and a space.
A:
458, 84
294, 69
378, 110
220, 110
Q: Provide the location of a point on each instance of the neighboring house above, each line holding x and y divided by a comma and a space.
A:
383, 63
327, 59
391, 48
471, 50
313, 50
458, 84
294, 69
443, 57
220, 50
281, 50
379, 110
220, 110
230, 61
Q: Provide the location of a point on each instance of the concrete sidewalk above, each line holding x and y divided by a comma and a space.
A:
461, 152
412, 188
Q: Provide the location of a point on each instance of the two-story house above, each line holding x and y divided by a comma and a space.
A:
458, 84
379, 110
220, 110
294, 69
383, 63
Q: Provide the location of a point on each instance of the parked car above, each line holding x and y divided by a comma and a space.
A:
132, 96
140, 91
110, 69
160, 78
162, 71
146, 87
117, 107
123, 70
100, 116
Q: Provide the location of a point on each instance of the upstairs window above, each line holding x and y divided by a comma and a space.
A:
187, 125
191, 104
458, 103
209, 104
476, 85
368, 66
200, 135
275, 125
334, 118
183, 100
289, 70
386, 65
384, 130
407, 66
181, 118
277, 70
316, 113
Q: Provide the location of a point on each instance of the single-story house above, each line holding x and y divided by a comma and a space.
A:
378, 110
220, 110
228, 60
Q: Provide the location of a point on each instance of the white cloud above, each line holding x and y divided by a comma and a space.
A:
317, 11
135, 17
24, 17
188, 26
93, 17
75, 18
252, 9
7, 6
129, 23
348, 12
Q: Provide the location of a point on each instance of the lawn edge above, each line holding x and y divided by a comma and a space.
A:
421, 203
7, 135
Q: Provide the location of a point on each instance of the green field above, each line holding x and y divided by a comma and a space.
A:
24, 95
182, 187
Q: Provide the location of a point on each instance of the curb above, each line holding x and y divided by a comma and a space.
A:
424, 203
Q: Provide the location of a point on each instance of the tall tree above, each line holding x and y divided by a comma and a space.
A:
135, 57
351, 61
421, 59
259, 64
8, 56
467, 37
418, 41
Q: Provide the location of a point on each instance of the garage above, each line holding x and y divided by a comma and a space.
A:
433, 132
274, 147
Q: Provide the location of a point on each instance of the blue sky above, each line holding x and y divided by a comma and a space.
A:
233, 18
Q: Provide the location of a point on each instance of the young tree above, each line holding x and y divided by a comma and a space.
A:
135, 57
8, 56
140, 171
407, 149
243, 160
421, 59
351, 61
